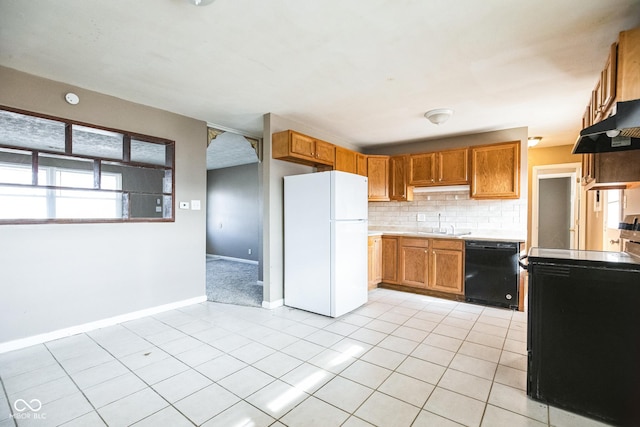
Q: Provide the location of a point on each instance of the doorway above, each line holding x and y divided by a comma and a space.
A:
556, 221
612, 215
233, 220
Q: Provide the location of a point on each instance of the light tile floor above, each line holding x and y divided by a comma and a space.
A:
400, 360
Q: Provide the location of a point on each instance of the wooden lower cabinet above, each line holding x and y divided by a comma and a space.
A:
429, 264
414, 262
447, 266
390, 259
375, 261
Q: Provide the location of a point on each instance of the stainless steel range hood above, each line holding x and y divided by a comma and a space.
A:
619, 132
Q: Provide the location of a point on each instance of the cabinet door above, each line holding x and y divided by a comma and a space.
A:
588, 168
608, 81
398, 189
325, 152
361, 164
375, 261
422, 169
378, 174
302, 145
495, 171
390, 259
446, 271
453, 167
345, 160
414, 266
377, 258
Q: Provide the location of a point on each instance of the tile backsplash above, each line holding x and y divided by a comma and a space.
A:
455, 208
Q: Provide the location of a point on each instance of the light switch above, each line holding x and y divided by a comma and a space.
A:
184, 205
195, 205
158, 208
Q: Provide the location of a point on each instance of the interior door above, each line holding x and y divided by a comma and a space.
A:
612, 211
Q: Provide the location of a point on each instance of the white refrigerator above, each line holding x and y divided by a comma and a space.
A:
325, 242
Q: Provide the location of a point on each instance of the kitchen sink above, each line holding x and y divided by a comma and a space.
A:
442, 234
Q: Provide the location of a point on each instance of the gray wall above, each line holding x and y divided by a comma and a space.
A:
55, 276
554, 217
233, 212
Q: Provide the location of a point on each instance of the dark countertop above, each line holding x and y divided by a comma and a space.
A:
611, 259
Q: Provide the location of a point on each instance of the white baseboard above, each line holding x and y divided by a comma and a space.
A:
86, 327
273, 304
229, 258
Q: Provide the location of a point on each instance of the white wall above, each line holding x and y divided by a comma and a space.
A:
456, 208
58, 276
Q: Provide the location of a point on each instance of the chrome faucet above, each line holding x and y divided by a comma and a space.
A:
439, 226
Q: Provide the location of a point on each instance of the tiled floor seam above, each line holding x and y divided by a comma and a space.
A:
6, 396
141, 379
75, 383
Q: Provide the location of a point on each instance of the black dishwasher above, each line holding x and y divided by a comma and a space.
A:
492, 273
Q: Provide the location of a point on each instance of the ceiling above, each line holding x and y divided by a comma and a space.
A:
229, 149
364, 71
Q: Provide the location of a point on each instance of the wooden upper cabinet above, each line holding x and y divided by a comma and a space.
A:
398, 188
361, 164
346, 160
604, 93
325, 152
450, 167
422, 169
453, 167
495, 171
608, 82
628, 66
378, 174
296, 147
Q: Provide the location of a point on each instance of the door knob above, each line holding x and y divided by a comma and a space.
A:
614, 242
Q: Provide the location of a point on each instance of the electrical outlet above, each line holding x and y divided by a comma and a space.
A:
421, 217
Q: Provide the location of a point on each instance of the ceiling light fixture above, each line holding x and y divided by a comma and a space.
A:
532, 141
201, 2
439, 116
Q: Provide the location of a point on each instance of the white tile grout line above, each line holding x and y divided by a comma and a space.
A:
390, 305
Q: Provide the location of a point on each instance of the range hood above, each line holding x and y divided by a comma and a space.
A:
619, 132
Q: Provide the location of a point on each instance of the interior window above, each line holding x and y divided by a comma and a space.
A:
55, 170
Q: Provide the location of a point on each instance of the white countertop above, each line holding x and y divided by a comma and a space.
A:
502, 236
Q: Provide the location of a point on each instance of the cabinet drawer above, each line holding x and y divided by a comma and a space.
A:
456, 245
415, 242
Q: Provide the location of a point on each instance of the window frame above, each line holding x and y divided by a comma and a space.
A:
97, 163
